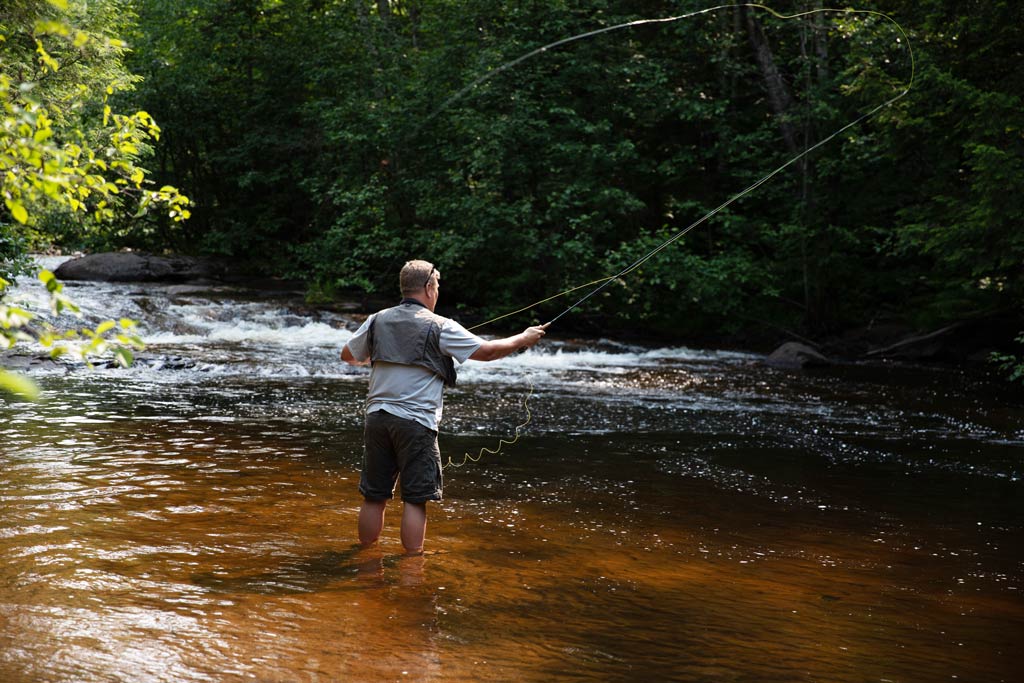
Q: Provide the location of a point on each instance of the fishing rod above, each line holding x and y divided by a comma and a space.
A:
602, 283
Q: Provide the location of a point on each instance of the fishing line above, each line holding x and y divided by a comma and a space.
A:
605, 281
467, 457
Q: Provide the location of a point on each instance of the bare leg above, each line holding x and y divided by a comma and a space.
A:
414, 526
371, 521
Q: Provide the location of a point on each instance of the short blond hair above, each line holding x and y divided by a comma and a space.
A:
416, 275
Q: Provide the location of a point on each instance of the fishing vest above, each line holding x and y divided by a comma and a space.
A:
410, 334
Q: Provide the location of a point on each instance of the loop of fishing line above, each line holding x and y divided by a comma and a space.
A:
605, 281
468, 457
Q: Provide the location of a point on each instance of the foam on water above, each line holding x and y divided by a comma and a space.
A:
607, 361
221, 336
262, 331
222, 332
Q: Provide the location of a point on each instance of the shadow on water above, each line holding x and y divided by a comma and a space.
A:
355, 569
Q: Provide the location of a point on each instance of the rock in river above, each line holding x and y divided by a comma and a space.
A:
137, 267
795, 355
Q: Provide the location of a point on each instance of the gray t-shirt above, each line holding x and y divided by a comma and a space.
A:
410, 391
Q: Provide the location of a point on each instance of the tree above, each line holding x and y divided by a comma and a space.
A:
64, 150
332, 139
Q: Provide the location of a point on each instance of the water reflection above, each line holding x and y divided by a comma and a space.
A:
670, 513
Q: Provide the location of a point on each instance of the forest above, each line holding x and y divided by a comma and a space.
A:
327, 141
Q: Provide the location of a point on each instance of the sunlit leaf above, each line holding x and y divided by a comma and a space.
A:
17, 210
50, 280
19, 385
124, 357
54, 27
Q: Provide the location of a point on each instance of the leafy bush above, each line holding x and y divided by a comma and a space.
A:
1010, 364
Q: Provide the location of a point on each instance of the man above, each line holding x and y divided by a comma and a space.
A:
412, 350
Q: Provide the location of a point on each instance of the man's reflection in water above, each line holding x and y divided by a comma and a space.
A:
373, 565
398, 616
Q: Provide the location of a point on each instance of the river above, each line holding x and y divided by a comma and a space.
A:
667, 514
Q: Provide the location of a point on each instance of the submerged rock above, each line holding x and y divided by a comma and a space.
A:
137, 267
151, 362
20, 362
795, 355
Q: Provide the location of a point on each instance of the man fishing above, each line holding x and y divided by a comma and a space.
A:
412, 351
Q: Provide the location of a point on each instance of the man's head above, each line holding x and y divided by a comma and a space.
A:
420, 280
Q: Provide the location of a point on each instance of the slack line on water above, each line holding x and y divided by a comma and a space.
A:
599, 284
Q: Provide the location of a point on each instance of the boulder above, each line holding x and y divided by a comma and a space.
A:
151, 362
793, 355
18, 362
136, 267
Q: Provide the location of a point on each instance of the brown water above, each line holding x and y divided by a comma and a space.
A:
667, 515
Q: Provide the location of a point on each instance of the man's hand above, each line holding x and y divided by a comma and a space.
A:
532, 335
499, 348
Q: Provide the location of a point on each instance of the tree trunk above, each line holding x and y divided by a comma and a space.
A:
797, 138
779, 97
820, 44
411, 9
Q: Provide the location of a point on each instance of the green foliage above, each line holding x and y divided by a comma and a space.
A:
65, 154
323, 139
18, 385
14, 259
1010, 364
20, 324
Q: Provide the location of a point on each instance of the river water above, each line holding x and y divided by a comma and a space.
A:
668, 514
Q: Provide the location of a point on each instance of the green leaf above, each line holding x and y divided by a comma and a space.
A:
105, 327
60, 4
124, 357
131, 340
19, 385
50, 280
17, 210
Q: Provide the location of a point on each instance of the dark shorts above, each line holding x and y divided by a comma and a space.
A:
395, 448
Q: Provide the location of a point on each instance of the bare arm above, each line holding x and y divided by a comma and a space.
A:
346, 355
499, 348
